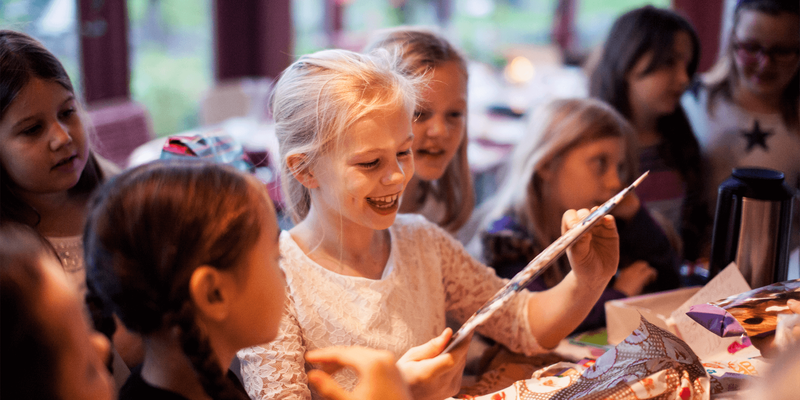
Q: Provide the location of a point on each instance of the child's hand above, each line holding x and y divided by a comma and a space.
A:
378, 375
767, 344
594, 257
431, 374
632, 279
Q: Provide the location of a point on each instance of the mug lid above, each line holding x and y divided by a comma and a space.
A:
759, 174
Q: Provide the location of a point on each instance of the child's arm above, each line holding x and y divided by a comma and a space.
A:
530, 321
555, 313
276, 370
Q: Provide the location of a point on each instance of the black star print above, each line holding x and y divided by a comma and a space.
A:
756, 137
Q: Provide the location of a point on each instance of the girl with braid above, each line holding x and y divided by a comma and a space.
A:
187, 256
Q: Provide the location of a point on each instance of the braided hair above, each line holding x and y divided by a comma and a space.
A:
151, 227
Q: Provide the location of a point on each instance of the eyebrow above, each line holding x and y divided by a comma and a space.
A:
33, 117
410, 138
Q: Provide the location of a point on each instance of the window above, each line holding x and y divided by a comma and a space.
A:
482, 28
171, 59
52, 22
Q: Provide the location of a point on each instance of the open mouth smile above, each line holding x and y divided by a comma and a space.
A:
385, 202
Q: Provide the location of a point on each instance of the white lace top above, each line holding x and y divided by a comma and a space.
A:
428, 274
70, 251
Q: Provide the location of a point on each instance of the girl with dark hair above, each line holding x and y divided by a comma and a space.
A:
441, 188
647, 63
49, 350
196, 274
47, 169
746, 111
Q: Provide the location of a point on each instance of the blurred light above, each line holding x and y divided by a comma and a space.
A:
519, 70
479, 8
58, 18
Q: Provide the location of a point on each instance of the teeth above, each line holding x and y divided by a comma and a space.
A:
384, 202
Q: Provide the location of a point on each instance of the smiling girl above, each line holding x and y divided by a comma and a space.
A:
746, 113
360, 274
441, 188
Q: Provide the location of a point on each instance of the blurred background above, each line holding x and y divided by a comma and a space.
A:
164, 54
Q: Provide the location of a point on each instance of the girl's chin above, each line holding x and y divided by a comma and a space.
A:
424, 173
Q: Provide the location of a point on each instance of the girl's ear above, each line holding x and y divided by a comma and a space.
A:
301, 170
210, 291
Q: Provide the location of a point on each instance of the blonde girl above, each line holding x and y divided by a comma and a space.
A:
441, 188
360, 274
577, 154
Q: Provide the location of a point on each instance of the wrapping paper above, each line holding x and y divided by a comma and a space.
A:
754, 312
216, 146
735, 375
538, 265
651, 363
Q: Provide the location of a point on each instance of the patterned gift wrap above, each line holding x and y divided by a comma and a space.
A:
651, 363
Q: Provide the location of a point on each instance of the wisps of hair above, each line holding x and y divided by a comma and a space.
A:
152, 226
320, 96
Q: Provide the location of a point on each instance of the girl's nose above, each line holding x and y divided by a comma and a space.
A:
436, 127
59, 136
394, 175
613, 180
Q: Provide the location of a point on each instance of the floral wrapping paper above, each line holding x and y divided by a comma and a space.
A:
650, 363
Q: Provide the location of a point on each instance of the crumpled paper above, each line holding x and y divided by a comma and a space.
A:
754, 312
650, 363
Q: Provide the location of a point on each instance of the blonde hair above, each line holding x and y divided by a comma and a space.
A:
422, 51
320, 96
555, 129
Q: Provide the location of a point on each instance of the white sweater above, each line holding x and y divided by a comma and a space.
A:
428, 275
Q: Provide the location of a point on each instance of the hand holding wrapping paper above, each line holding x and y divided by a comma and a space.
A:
754, 313
538, 265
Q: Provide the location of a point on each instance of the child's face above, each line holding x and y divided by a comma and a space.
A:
363, 183
440, 121
658, 93
42, 141
587, 175
757, 33
258, 306
81, 372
